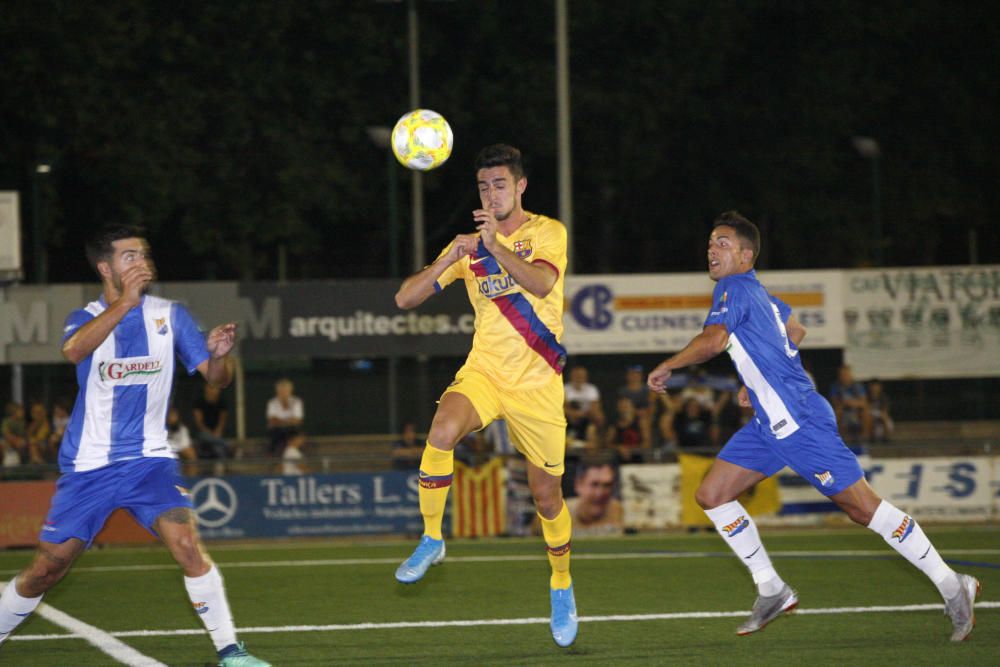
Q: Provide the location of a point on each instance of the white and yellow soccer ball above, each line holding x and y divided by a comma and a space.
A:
422, 140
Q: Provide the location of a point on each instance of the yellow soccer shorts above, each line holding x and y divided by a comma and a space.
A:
535, 417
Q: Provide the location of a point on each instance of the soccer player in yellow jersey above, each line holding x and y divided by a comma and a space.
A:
513, 269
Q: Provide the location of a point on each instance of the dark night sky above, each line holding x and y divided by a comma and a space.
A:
232, 130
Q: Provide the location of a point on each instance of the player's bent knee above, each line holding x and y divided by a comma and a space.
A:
708, 498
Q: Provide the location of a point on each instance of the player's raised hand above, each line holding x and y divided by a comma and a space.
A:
134, 281
657, 379
743, 398
221, 339
487, 225
464, 244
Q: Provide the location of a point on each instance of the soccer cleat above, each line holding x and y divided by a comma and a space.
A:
766, 609
428, 552
564, 623
960, 608
236, 655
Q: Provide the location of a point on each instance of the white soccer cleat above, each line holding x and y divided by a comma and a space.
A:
767, 608
961, 608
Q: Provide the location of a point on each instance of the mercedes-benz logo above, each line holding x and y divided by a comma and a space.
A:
214, 502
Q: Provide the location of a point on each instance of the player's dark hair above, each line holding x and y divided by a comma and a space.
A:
501, 155
747, 231
98, 245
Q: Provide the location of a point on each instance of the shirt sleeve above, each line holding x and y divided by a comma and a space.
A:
298, 409
74, 321
551, 246
189, 342
729, 306
452, 273
273, 408
783, 308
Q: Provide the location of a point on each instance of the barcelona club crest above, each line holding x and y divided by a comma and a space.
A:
522, 249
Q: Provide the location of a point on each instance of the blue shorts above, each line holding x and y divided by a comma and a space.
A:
145, 487
816, 451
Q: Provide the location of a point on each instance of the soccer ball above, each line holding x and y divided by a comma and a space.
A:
422, 140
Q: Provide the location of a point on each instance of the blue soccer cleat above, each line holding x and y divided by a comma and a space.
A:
428, 552
235, 655
564, 623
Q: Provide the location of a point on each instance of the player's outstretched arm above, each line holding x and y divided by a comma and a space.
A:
710, 342
420, 286
217, 369
796, 332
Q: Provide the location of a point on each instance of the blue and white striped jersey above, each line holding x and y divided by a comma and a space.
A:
121, 409
768, 363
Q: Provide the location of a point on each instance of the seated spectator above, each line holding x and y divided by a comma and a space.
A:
628, 434
292, 458
692, 426
665, 408
850, 405
636, 390
407, 450
38, 431
60, 420
497, 437
728, 417
13, 436
594, 508
285, 414
210, 415
698, 388
584, 413
179, 439
878, 408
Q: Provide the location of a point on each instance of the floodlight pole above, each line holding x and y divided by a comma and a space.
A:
563, 128
417, 192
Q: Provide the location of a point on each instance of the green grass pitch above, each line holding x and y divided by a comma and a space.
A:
325, 603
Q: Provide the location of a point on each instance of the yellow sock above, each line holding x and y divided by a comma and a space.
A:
557, 533
436, 469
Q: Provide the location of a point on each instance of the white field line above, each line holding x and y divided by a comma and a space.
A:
626, 618
333, 562
102, 640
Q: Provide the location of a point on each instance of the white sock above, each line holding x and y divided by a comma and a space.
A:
740, 532
905, 535
14, 609
208, 595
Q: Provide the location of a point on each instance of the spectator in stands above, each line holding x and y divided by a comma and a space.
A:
292, 459
595, 509
698, 388
878, 408
179, 439
497, 437
584, 413
60, 420
38, 431
407, 450
13, 435
285, 414
665, 408
728, 417
635, 390
692, 426
629, 434
850, 405
210, 415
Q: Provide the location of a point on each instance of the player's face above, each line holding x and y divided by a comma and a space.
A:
127, 253
499, 193
726, 254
